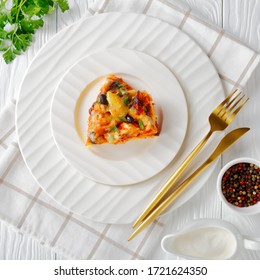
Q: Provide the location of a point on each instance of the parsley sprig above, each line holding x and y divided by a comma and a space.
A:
19, 22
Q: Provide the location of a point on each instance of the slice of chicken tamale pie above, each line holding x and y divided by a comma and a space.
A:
120, 114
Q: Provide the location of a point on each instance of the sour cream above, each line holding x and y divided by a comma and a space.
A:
205, 243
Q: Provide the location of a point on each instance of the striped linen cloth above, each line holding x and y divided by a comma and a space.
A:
27, 208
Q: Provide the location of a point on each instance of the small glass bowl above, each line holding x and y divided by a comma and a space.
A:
249, 210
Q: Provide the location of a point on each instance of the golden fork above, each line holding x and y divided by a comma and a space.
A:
224, 144
219, 119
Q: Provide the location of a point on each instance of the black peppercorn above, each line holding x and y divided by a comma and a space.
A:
240, 184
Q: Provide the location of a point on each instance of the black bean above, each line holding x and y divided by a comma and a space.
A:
129, 119
115, 85
137, 101
103, 99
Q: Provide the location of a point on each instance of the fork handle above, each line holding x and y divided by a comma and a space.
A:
173, 179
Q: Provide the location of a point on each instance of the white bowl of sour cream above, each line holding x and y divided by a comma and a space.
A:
211, 239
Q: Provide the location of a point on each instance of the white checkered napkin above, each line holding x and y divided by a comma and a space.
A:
25, 206
28, 208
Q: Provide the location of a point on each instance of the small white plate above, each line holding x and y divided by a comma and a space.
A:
126, 163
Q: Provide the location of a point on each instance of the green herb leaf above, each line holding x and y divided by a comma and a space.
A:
123, 119
127, 100
32, 10
21, 42
9, 56
123, 92
114, 128
18, 23
29, 26
146, 110
64, 5
3, 33
3, 19
3, 48
141, 124
118, 84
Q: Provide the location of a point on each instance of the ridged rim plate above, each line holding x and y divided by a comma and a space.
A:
126, 163
169, 45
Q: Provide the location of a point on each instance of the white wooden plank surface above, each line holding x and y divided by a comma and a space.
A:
11, 76
209, 10
14, 245
240, 18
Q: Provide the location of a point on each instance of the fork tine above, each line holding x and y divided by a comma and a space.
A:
224, 109
232, 115
220, 106
229, 109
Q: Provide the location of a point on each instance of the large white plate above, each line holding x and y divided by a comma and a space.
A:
193, 69
123, 164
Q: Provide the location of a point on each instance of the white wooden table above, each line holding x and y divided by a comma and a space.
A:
238, 17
